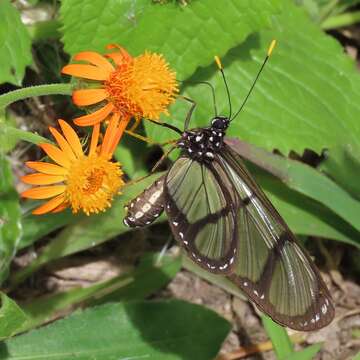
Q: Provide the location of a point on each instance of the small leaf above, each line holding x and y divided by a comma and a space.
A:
187, 36
10, 226
12, 317
155, 330
306, 354
357, 356
279, 338
15, 45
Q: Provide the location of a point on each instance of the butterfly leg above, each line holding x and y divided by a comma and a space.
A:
189, 114
155, 167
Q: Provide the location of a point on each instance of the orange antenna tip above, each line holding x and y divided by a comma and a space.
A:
271, 47
218, 62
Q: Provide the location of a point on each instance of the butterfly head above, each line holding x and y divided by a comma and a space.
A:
220, 123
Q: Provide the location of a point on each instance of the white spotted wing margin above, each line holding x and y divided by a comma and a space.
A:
147, 206
274, 271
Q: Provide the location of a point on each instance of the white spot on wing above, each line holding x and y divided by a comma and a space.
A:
324, 309
155, 196
138, 215
181, 234
146, 207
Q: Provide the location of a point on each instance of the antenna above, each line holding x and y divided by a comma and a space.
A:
218, 63
270, 50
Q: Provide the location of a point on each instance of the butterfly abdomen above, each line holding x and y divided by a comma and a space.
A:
147, 207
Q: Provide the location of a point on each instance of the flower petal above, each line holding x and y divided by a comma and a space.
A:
43, 192
42, 179
94, 139
63, 144
71, 138
95, 117
118, 134
86, 97
90, 72
95, 59
56, 154
49, 206
120, 56
61, 207
110, 133
46, 168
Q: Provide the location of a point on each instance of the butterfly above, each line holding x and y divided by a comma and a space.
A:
228, 226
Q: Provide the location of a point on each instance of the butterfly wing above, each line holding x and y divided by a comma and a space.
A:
146, 207
271, 267
201, 213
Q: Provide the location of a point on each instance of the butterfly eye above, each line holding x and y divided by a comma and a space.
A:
220, 123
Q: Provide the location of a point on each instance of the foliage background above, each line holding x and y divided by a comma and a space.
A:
307, 102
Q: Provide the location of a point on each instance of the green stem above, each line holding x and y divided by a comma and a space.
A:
342, 20
39, 90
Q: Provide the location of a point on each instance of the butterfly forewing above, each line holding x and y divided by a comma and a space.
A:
271, 267
200, 214
146, 207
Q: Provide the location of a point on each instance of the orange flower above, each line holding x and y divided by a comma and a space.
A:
139, 87
86, 182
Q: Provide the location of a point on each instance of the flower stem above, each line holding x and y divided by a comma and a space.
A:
39, 90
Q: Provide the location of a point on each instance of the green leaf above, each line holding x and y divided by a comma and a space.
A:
10, 226
188, 36
148, 277
86, 232
35, 227
305, 354
357, 356
304, 215
15, 45
154, 330
307, 96
12, 317
279, 338
304, 179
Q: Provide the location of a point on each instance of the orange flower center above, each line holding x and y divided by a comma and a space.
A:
92, 182
143, 87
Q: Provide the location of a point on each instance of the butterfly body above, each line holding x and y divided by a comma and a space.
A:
202, 144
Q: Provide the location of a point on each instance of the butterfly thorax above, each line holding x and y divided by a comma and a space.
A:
202, 144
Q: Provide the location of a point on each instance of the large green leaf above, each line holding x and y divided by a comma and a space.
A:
307, 97
188, 36
15, 45
150, 276
13, 318
10, 226
170, 330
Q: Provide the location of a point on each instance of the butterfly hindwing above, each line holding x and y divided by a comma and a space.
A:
271, 267
146, 207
